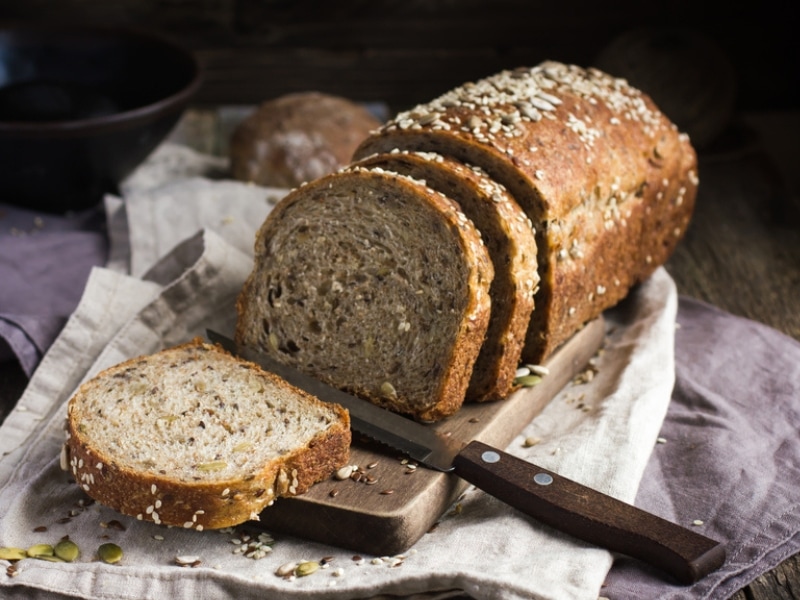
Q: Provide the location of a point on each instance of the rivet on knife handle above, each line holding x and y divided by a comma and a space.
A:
589, 515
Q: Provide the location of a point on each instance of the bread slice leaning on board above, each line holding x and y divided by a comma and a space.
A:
194, 437
607, 182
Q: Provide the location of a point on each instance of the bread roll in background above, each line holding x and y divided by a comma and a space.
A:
297, 138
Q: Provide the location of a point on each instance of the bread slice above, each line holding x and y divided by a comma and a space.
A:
607, 180
509, 238
374, 283
194, 437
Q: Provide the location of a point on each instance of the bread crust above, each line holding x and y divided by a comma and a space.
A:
607, 180
298, 137
508, 235
164, 498
443, 380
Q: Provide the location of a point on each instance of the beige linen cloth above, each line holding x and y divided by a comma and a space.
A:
181, 248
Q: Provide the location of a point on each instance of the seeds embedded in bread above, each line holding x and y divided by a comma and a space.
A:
509, 238
607, 180
194, 437
374, 283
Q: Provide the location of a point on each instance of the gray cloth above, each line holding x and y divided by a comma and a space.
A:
732, 452
44, 263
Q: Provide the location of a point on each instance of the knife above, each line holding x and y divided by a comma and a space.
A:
556, 501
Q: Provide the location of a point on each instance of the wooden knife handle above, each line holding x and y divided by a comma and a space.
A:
589, 515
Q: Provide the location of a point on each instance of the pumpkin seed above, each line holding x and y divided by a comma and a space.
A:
306, 568
528, 380
109, 553
40, 550
11, 553
67, 550
51, 558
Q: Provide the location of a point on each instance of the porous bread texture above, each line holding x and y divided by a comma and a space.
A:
373, 283
607, 180
194, 437
298, 137
509, 237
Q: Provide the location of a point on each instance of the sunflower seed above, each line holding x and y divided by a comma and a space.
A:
286, 569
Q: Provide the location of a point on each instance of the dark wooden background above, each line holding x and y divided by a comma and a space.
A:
406, 51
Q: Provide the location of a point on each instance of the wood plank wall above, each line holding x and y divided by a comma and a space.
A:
407, 51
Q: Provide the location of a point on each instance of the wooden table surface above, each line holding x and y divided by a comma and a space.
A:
741, 252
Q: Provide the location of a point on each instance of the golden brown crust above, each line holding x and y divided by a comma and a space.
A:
607, 180
165, 499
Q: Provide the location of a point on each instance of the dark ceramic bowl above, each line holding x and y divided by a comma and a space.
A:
81, 108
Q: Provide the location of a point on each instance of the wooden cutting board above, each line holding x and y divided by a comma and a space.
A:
393, 505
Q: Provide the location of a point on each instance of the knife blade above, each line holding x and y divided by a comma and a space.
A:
556, 501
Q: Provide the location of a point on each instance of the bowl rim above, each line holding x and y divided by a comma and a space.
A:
119, 120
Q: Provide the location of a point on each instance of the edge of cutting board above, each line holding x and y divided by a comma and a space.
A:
398, 506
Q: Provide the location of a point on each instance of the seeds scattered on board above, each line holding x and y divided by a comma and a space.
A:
12, 554
585, 376
64, 551
40, 551
67, 550
345, 472
530, 375
306, 568
113, 524
697, 522
109, 553
187, 561
531, 441
528, 380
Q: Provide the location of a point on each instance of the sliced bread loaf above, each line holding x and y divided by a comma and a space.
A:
509, 238
194, 437
607, 180
374, 283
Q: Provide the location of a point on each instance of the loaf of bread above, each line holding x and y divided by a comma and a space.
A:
298, 137
374, 283
194, 437
590, 166
607, 180
508, 235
